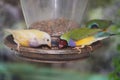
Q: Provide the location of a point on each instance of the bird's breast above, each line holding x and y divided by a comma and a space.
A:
85, 41
24, 43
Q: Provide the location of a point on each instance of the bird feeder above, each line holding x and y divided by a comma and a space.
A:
54, 17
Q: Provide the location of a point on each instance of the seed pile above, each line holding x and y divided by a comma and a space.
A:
55, 27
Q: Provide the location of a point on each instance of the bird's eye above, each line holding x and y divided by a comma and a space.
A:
94, 26
48, 40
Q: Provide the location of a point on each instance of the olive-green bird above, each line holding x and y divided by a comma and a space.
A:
81, 37
98, 24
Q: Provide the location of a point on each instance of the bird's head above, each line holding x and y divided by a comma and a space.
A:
62, 44
99, 24
38, 41
46, 40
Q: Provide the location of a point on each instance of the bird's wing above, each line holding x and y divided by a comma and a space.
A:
82, 33
22, 37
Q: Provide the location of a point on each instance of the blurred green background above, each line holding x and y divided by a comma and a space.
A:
104, 64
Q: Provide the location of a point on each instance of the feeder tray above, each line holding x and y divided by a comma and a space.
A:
49, 55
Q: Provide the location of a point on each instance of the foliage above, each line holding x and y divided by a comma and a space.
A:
30, 72
115, 74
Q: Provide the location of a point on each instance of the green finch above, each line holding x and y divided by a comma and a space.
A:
81, 37
98, 24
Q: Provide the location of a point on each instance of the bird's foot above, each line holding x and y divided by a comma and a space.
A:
18, 48
18, 45
90, 47
78, 49
100, 42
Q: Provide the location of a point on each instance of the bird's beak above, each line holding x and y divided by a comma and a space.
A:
60, 46
50, 45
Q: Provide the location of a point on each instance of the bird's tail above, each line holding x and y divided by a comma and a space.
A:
8, 30
115, 34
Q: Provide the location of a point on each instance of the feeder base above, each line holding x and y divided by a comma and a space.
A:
49, 55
